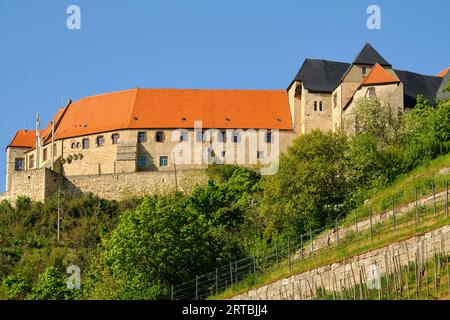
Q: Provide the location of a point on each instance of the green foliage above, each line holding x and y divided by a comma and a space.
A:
376, 119
23, 203
16, 287
167, 239
52, 286
309, 189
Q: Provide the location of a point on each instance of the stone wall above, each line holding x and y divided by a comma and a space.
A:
43, 183
125, 185
346, 273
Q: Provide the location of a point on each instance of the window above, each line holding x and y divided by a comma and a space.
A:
163, 161
371, 92
44, 154
363, 71
31, 161
100, 141
269, 137
142, 137
73, 145
54, 149
86, 143
200, 136
159, 136
315, 105
142, 162
236, 137
19, 164
183, 136
222, 136
78, 145
260, 154
222, 154
320, 106
115, 138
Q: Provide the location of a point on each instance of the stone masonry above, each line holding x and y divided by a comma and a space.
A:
347, 273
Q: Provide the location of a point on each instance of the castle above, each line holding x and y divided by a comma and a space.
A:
125, 143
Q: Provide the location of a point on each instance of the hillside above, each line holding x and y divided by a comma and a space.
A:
354, 238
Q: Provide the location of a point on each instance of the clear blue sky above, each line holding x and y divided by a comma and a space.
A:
242, 44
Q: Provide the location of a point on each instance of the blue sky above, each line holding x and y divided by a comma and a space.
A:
242, 44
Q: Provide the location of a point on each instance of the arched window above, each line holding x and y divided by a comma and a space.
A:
315, 105
320, 106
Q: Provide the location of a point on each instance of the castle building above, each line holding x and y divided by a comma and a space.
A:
125, 140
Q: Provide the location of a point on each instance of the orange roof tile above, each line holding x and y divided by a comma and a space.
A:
443, 73
24, 139
378, 75
27, 138
176, 108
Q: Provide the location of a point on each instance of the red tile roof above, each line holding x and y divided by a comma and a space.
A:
24, 139
176, 108
378, 75
443, 73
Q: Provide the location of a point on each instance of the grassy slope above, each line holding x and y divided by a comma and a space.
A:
404, 191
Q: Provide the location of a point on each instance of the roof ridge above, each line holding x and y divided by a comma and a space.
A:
420, 74
369, 55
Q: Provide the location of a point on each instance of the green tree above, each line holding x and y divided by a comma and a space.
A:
52, 285
16, 287
309, 189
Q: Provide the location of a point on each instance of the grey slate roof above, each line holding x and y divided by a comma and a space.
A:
415, 84
324, 76
441, 95
368, 55
321, 75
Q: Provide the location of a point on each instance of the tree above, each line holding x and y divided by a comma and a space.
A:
309, 189
52, 285
168, 239
373, 117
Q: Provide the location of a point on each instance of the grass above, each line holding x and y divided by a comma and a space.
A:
403, 188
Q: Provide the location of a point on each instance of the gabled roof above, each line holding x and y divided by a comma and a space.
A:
415, 84
443, 73
176, 108
368, 55
321, 75
23, 139
378, 75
